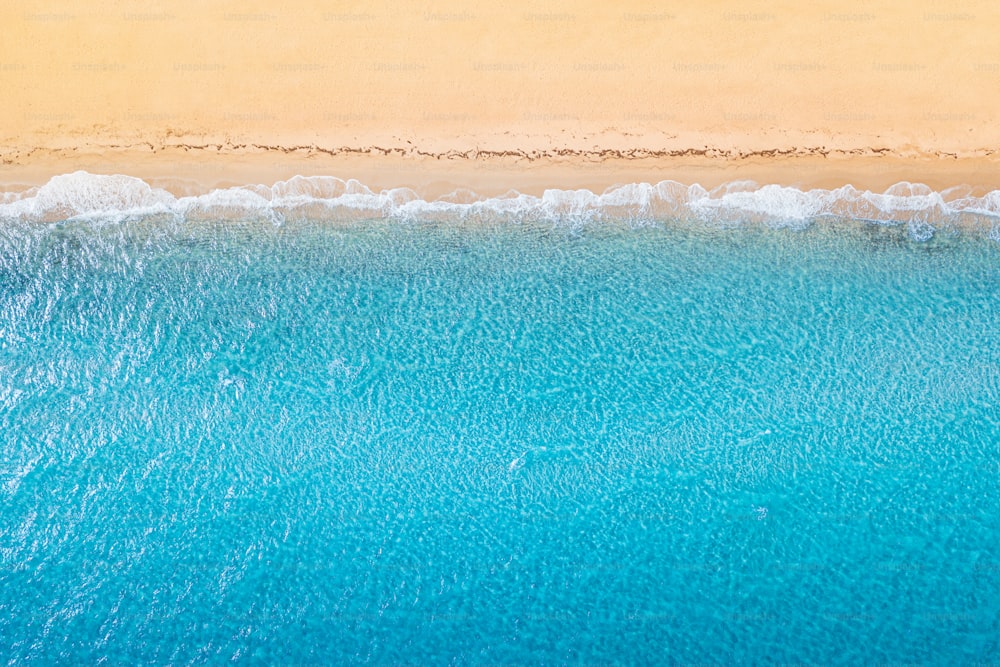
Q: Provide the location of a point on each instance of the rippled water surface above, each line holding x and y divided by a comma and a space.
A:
390, 442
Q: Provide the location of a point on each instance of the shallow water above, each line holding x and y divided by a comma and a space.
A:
379, 441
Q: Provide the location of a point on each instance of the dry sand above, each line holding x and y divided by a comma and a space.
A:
525, 95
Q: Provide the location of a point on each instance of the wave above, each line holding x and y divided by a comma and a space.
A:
84, 195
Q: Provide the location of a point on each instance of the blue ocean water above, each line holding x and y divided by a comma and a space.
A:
372, 441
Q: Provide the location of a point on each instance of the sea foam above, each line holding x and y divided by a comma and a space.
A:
85, 195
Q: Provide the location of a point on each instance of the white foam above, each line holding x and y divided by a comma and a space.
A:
81, 194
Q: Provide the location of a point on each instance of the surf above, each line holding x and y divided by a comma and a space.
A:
83, 195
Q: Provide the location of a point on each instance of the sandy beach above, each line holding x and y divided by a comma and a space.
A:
434, 96
530, 332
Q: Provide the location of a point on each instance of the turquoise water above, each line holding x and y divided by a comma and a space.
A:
383, 442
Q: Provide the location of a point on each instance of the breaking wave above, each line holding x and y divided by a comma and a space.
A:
85, 195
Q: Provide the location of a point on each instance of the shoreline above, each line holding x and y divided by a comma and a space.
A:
340, 187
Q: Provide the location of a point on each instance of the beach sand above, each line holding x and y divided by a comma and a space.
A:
193, 95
